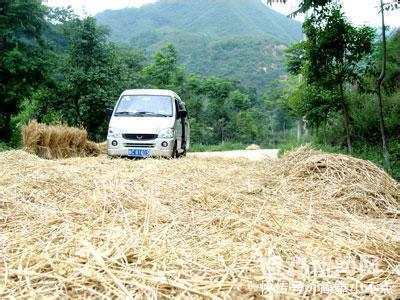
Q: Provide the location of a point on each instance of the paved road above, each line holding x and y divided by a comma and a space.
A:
250, 154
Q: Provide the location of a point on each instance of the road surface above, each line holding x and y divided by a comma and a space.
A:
250, 154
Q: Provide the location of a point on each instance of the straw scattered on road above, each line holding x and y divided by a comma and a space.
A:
307, 224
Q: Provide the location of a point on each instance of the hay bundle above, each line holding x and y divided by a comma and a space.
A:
103, 147
193, 228
57, 141
340, 181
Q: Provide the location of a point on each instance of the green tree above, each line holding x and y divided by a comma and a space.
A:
23, 64
388, 6
330, 59
165, 72
133, 61
306, 5
93, 76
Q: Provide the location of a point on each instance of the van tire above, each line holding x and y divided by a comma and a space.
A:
175, 153
183, 154
179, 155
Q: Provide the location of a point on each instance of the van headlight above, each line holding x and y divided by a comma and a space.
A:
166, 134
114, 133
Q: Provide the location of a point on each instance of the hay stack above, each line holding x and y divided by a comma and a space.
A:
339, 182
103, 147
57, 141
197, 228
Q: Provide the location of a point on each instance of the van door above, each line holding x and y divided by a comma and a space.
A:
178, 126
187, 133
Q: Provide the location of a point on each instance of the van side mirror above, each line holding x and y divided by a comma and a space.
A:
109, 112
182, 114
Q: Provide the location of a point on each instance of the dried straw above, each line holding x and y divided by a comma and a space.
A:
196, 227
57, 141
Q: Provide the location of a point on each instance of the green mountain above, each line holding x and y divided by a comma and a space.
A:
239, 39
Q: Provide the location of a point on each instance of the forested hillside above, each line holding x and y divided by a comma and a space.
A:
66, 70
238, 39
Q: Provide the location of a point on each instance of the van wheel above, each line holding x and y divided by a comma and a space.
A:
183, 154
179, 155
175, 153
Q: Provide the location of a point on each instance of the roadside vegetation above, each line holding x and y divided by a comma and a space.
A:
4, 146
65, 70
227, 146
345, 84
58, 68
333, 91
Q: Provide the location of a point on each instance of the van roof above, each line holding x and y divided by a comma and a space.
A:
150, 92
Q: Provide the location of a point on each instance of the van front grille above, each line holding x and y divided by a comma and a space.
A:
137, 145
139, 137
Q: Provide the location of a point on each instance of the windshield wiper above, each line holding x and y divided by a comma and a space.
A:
132, 114
140, 113
160, 115
123, 113
148, 113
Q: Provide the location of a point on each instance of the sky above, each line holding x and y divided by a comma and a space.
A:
361, 12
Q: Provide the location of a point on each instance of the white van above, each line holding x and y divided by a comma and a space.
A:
148, 123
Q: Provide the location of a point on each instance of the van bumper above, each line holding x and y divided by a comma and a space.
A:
156, 147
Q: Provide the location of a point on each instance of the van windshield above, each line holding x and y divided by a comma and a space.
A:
145, 106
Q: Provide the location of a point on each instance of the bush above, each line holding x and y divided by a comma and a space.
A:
4, 146
394, 149
33, 108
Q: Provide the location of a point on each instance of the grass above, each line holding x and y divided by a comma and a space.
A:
226, 146
4, 146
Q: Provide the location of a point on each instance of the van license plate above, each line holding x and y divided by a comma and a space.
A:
139, 152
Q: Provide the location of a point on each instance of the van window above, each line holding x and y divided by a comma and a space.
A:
137, 105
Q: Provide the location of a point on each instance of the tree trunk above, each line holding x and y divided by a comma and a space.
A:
305, 128
346, 119
381, 78
382, 128
284, 130
77, 112
300, 129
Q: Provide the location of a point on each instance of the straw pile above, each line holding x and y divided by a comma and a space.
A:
339, 182
57, 141
307, 224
